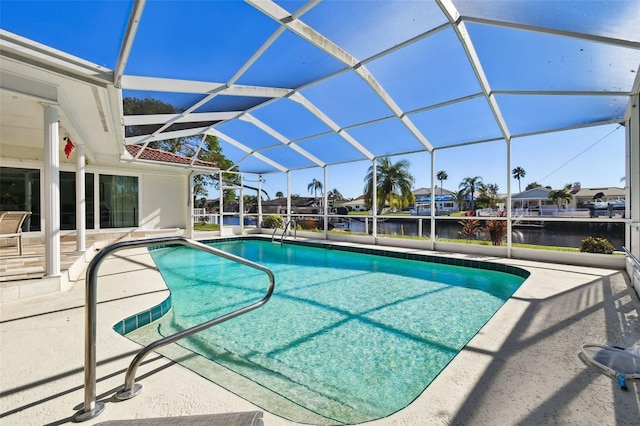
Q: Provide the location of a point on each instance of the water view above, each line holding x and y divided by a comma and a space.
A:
555, 234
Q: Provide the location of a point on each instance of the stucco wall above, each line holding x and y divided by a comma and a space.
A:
163, 201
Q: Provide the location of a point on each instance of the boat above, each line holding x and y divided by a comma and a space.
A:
609, 208
424, 209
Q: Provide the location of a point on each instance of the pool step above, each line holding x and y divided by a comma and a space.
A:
248, 418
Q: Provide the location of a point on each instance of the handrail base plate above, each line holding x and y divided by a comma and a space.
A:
123, 394
83, 416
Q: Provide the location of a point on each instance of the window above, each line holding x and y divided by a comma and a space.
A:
20, 190
118, 201
68, 200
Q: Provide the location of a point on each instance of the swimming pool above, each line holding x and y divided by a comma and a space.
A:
346, 338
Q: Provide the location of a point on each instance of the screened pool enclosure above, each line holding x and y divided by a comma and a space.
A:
289, 85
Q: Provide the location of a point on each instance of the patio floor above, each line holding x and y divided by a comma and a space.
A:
521, 368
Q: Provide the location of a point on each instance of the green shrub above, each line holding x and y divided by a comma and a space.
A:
497, 230
596, 245
273, 221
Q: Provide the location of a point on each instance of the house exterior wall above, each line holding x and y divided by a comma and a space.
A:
162, 201
162, 194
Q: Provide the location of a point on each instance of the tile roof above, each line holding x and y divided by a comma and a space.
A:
152, 154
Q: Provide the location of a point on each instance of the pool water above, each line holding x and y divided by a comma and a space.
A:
349, 337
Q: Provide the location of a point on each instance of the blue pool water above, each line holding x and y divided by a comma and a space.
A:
350, 337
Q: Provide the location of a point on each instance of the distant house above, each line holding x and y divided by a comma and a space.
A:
446, 201
583, 196
356, 205
299, 205
532, 200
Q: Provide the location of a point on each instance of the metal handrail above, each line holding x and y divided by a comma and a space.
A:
635, 259
295, 231
92, 408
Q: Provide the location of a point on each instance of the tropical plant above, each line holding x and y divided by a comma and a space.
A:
518, 173
335, 194
279, 194
488, 196
273, 221
469, 228
497, 230
560, 196
469, 185
391, 179
229, 196
596, 245
249, 201
533, 185
314, 187
460, 198
441, 176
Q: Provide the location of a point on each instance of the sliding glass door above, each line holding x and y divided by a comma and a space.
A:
118, 201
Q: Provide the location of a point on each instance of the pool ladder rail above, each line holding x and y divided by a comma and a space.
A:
286, 226
92, 408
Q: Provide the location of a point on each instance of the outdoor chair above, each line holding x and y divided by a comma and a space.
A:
11, 226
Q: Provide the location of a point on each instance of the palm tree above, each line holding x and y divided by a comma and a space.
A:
533, 185
335, 194
469, 185
441, 175
314, 186
279, 194
492, 193
394, 183
518, 173
460, 198
560, 196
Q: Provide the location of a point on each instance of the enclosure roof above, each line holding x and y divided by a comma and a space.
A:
288, 85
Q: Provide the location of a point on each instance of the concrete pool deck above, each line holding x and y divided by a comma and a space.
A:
521, 368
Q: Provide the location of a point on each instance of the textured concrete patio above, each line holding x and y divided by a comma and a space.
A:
521, 368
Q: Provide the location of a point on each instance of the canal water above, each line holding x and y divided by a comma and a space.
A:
555, 234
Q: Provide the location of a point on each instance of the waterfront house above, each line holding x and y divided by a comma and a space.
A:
531, 201
584, 196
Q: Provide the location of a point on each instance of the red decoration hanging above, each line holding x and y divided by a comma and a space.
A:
68, 147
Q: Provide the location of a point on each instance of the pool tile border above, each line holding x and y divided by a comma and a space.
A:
143, 318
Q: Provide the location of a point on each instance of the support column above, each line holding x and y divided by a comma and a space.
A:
241, 206
259, 224
81, 200
51, 208
508, 203
288, 197
632, 179
374, 200
190, 206
433, 197
326, 204
221, 203
96, 203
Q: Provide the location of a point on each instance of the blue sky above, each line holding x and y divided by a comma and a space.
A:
593, 156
